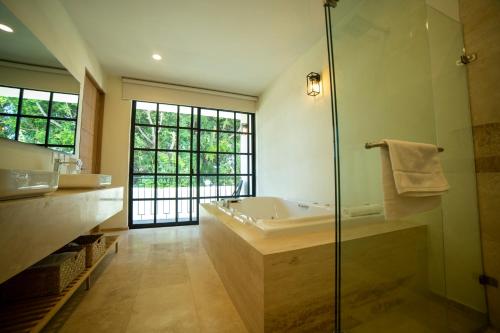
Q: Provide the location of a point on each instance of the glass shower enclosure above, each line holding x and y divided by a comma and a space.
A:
396, 74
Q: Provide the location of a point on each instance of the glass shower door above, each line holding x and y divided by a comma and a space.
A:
397, 77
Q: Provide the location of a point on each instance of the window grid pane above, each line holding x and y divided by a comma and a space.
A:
40, 117
195, 155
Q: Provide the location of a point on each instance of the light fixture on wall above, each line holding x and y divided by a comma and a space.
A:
313, 84
156, 56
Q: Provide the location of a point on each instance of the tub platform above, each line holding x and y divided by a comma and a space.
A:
286, 283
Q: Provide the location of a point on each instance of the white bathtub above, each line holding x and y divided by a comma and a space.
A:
276, 216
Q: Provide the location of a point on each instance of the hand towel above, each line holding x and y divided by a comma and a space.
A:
416, 168
413, 198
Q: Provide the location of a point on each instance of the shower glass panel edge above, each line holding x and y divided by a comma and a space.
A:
328, 7
395, 76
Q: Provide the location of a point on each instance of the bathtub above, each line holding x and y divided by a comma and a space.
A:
276, 216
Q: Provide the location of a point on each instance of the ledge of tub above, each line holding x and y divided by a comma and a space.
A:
276, 244
32, 228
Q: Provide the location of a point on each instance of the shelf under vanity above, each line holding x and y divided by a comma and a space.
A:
31, 315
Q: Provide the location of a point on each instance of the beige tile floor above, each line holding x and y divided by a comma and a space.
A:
161, 280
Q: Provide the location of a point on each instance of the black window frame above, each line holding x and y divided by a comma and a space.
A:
196, 130
19, 115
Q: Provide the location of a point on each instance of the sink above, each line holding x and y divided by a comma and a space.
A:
84, 180
26, 183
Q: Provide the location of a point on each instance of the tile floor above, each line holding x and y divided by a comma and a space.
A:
161, 280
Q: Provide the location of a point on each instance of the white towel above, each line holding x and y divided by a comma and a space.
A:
416, 168
412, 178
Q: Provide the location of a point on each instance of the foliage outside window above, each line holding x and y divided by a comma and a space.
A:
182, 156
40, 117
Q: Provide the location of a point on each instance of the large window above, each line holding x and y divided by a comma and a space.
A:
182, 156
40, 117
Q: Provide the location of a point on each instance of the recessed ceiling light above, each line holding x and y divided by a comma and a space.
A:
6, 28
156, 56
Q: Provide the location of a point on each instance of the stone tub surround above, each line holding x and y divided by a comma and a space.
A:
286, 283
32, 228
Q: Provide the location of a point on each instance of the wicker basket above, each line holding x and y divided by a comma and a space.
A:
47, 277
95, 246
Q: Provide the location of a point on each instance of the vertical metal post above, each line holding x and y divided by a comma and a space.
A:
155, 177
177, 165
19, 112
131, 168
49, 115
329, 4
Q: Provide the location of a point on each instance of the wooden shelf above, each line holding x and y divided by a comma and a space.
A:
31, 315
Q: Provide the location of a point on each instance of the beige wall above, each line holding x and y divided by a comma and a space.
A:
51, 24
481, 19
447, 7
24, 156
168, 93
116, 144
295, 134
38, 79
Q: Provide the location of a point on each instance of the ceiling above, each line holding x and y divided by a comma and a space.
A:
22, 46
230, 45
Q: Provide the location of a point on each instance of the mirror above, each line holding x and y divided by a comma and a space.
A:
38, 97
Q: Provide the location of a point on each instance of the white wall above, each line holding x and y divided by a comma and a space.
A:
295, 134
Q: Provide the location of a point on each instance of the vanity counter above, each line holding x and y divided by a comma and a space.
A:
32, 228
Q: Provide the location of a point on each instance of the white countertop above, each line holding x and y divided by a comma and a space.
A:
32, 228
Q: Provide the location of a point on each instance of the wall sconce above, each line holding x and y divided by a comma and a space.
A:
313, 84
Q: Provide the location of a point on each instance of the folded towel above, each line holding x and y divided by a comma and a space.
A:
416, 168
364, 210
419, 189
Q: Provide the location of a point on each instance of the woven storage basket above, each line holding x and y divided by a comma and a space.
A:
95, 246
47, 277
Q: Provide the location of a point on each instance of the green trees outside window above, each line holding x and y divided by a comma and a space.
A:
184, 155
39, 117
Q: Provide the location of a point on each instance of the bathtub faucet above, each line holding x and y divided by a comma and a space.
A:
226, 203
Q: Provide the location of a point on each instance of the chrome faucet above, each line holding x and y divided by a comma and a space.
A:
58, 163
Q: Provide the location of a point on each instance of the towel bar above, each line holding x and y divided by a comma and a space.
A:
370, 145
